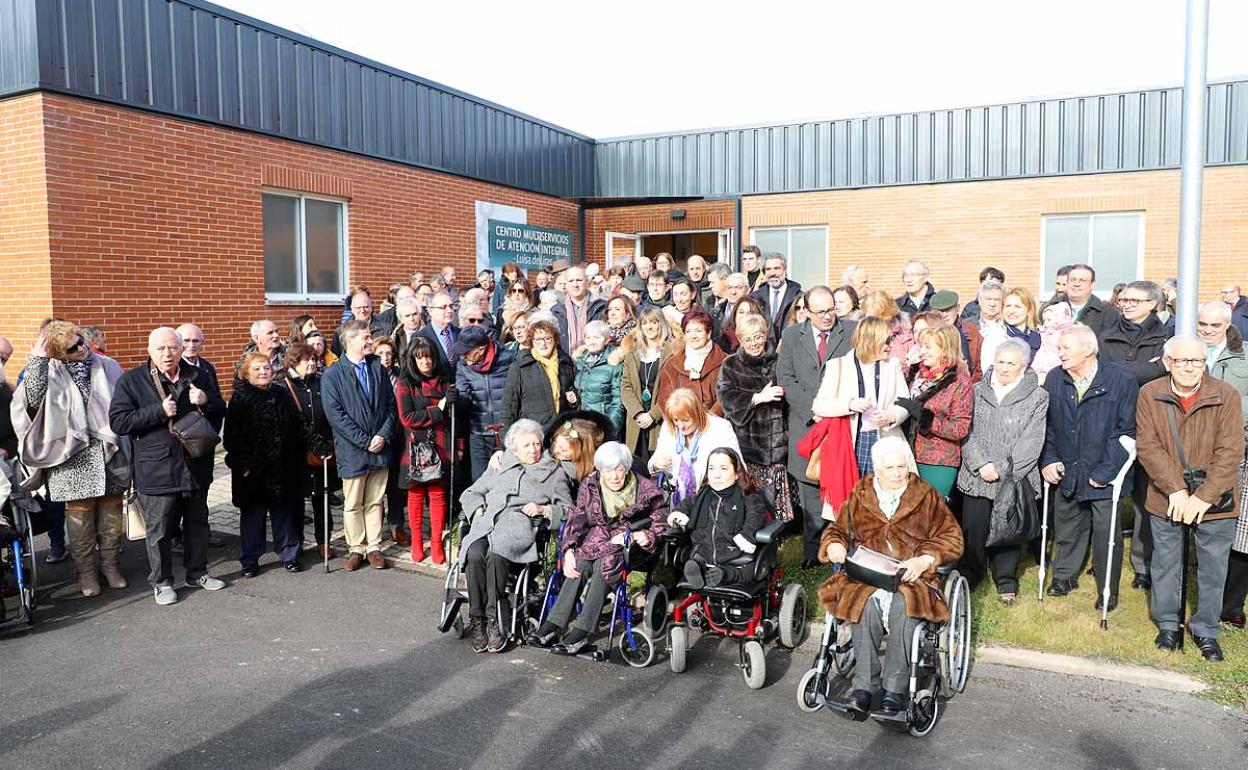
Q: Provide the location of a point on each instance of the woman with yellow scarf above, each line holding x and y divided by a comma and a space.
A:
539, 384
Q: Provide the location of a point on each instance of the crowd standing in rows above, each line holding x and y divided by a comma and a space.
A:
666, 390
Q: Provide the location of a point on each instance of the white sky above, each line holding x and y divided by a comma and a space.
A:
618, 68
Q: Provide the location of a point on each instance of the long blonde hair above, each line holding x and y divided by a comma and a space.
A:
636, 339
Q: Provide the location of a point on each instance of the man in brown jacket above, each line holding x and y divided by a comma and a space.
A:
1207, 415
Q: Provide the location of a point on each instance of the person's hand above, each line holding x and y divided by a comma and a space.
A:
882, 419
571, 394
837, 553
913, 569
859, 405
534, 510
442, 404
1095, 484
459, 455
569, 565
170, 406
1053, 472
496, 461
644, 420
618, 539
198, 397
1196, 510
1177, 505
988, 472
452, 395
40, 347
768, 394
660, 463
677, 519
377, 444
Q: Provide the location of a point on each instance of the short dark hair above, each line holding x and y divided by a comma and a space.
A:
752, 250
299, 352
993, 273
1082, 266
1063, 270
699, 316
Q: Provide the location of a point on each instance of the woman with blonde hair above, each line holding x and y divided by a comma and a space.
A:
877, 304
865, 385
942, 402
688, 436
1022, 317
517, 299
643, 354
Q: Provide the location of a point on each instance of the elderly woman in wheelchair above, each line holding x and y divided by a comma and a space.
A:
509, 507
890, 539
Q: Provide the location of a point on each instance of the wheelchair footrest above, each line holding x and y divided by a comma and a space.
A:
901, 718
592, 652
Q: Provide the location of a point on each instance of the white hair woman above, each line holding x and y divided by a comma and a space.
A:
611, 501
529, 490
896, 513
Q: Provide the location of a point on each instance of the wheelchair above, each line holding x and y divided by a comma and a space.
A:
940, 659
18, 570
752, 613
523, 596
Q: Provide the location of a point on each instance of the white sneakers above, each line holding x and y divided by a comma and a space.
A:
166, 595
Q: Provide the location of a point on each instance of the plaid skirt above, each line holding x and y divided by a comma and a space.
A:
777, 477
862, 451
1240, 543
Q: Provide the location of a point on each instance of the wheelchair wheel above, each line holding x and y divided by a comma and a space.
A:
955, 637
809, 687
654, 616
754, 664
638, 651
925, 713
793, 616
677, 646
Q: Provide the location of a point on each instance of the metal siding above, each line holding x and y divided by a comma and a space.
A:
1237, 127
182, 38
108, 62
80, 50
136, 87
228, 78
19, 46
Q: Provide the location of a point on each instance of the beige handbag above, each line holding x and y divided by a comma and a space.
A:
136, 525
813, 466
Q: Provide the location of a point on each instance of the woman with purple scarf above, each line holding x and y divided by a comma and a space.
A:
688, 436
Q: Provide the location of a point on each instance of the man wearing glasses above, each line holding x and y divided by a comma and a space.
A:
442, 332
1190, 420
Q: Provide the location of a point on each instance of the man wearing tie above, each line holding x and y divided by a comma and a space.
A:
778, 294
804, 350
441, 333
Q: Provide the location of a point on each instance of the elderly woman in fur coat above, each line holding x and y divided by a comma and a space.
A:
895, 513
755, 405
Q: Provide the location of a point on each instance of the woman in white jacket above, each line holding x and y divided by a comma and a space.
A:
688, 436
865, 385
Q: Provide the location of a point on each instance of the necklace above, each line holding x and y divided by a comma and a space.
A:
647, 371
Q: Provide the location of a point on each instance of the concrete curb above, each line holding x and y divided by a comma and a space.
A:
1068, 665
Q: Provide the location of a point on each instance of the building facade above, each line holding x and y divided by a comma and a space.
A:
165, 161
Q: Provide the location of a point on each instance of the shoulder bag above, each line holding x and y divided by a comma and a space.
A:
312, 459
192, 430
1194, 477
868, 566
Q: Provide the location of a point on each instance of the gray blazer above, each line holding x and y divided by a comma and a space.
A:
1012, 430
510, 533
799, 371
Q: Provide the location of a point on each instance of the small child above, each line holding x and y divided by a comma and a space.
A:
597, 379
1057, 317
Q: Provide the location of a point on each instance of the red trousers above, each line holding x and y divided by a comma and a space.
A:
436, 493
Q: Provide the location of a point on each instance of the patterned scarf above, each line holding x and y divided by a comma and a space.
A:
615, 336
686, 456
614, 503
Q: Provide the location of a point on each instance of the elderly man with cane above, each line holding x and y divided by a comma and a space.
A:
1191, 441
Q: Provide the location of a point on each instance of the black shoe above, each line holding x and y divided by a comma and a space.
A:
292, 566
1235, 620
1061, 587
1168, 641
1113, 602
251, 571
693, 575
1142, 582
495, 641
858, 707
1210, 650
544, 636
893, 703
476, 630
714, 576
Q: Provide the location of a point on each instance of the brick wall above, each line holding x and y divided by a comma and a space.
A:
700, 215
960, 228
157, 220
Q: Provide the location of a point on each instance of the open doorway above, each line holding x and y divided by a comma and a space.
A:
713, 245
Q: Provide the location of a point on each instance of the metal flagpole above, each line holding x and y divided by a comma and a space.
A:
1193, 164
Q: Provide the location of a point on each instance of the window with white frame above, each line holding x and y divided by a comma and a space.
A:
1112, 243
305, 247
805, 248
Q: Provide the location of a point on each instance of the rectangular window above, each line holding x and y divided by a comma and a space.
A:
805, 248
1113, 244
305, 248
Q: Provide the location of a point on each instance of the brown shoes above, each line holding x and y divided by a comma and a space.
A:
322, 548
376, 560
354, 561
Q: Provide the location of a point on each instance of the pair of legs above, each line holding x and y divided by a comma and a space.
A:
1073, 523
1213, 546
396, 505
93, 522
486, 573
976, 556
595, 590
1141, 543
867, 635
361, 510
812, 519
161, 513
287, 518
435, 493
318, 500
1236, 586
700, 570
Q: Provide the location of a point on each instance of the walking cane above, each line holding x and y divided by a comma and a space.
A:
325, 492
448, 525
1044, 537
1187, 541
1128, 444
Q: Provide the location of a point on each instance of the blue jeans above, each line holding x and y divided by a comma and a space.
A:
56, 527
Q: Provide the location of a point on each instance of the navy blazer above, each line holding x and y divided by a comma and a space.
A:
1084, 434
355, 419
441, 364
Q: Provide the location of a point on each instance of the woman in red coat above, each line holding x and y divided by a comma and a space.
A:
421, 395
696, 365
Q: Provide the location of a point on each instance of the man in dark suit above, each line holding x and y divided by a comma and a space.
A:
441, 332
778, 293
804, 350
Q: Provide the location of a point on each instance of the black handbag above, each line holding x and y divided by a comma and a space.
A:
1015, 516
192, 430
1194, 477
868, 566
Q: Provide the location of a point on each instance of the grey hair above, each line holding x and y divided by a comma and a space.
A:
522, 427
542, 315
926, 270
1155, 295
992, 284
1173, 342
613, 454
1216, 306
406, 303
160, 331
847, 275
255, 326
776, 255
602, 327
719, 269
1084, 332
887, 445
91, 333
469, 307
1018, 346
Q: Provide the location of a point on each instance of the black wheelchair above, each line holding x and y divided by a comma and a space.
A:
940, 659
18, 570
753, 613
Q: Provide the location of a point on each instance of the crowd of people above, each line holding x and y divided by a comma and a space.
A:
589, 396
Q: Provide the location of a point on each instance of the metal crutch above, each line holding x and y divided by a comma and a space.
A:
1044, 536
1128, 444
328, 530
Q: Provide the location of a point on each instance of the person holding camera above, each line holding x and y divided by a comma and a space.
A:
1190, 432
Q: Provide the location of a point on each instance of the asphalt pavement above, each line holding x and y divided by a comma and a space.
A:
346, 670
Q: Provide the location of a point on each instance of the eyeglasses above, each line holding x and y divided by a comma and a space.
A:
474, 321
544, 339
1188, 363
440, 307
1130, 301
518, 291
829, 313
757, 339
74, 348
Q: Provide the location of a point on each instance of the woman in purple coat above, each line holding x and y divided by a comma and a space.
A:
610, 500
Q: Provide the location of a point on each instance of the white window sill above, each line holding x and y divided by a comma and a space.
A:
303, 299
